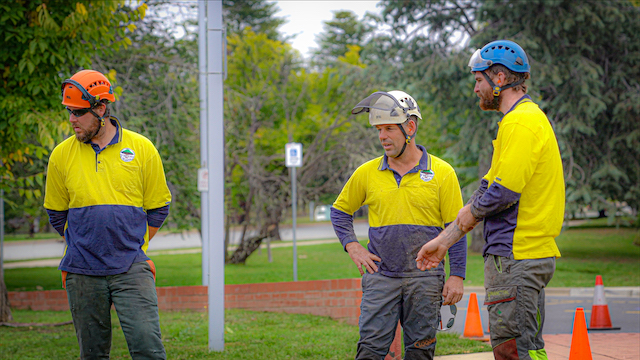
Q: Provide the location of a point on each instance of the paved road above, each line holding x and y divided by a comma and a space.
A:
42, 249
560, 310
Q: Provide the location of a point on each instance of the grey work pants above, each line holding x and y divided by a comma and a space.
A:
515, 301
134, 296
415, 301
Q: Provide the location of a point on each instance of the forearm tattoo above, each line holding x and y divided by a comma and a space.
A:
451, 234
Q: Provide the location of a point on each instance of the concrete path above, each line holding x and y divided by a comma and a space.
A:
604, 346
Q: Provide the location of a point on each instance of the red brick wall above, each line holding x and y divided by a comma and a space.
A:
338, 299
39, 300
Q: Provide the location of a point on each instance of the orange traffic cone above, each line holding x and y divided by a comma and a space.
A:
580, 348
473, 322
600, 319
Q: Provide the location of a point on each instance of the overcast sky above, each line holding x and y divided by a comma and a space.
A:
305, 17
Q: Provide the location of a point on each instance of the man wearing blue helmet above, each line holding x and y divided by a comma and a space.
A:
521, 200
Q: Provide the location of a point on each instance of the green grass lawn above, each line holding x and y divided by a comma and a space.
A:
586, 253
248, 335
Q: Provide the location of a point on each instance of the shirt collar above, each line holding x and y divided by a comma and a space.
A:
524, 99
423, 164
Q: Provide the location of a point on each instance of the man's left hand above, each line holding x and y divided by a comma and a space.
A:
453, 290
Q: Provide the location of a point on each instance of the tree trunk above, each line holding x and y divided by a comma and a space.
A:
227, 226
5, 309
246, 248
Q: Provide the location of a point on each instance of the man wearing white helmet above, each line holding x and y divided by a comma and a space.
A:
521, 200
412, 195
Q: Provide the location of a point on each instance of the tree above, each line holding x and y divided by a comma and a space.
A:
43, 43
584, 75
343, 31
271, 100
160, 99
255, 14
585, 69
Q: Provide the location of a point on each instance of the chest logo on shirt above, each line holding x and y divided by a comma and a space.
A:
127, 155
426, 175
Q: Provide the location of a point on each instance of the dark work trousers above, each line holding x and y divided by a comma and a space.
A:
515, 301
415, 301
134, 296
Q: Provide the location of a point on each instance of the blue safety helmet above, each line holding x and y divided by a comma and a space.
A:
503, 52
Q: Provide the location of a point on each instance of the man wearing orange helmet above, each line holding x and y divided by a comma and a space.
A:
106, 194
412, 195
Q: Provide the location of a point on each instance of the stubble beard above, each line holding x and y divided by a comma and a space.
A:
89, 133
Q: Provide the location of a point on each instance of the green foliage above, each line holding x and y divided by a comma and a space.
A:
42, 43
270, 100
257, 15
339, 35
585, 60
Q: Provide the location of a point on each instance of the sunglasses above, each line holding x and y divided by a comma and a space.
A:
78, 112
452, 318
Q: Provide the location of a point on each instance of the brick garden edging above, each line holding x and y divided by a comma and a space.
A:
338, 299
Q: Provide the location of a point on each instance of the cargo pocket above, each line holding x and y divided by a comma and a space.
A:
502, 305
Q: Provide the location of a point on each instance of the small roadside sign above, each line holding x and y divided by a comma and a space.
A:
203, 179
293, 154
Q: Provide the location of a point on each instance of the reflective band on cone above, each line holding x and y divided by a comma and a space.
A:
600, 319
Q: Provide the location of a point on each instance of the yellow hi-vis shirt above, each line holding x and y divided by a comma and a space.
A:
107, 193
526, 171
404, 212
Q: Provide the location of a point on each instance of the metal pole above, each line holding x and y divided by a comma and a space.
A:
294, 200
1, 232
1, 227
215, 155
204, 195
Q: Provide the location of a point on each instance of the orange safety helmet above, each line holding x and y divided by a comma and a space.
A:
85, 89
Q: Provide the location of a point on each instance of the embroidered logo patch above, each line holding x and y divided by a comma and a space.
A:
127, 155
426, 175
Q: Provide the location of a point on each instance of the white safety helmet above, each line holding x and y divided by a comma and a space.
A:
393, 107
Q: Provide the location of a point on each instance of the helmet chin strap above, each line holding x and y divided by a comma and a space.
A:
100, 119
497, 89
407, 140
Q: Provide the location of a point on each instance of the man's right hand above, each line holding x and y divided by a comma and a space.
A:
362, 258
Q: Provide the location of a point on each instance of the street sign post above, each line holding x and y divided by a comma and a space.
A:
293, 160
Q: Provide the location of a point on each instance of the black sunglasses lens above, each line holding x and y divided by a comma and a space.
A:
453, 309
450, 323
78, 112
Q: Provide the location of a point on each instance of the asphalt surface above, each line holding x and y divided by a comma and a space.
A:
42, 249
